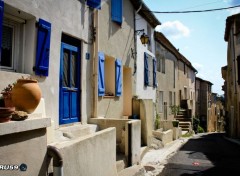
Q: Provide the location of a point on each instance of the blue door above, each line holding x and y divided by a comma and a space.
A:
69, 109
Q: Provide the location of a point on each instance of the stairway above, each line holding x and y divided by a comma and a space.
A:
184, 121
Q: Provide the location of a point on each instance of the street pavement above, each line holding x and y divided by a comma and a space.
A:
154, 160
208, 154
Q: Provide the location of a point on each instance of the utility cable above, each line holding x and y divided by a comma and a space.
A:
195, 11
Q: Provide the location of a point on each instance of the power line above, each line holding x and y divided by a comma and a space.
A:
196, 11
200, 5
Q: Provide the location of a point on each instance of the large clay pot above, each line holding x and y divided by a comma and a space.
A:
26, 95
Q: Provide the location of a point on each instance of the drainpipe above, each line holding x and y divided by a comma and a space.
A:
234, 59
135, 38
54, 153
95, 65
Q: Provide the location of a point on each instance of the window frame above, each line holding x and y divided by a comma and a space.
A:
17, 43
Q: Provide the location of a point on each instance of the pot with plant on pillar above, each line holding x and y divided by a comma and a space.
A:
7, 95
26, 95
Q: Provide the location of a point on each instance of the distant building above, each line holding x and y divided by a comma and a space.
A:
231, 75
203, 101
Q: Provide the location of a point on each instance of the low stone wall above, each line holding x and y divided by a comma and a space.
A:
91, 155
128, 134
164, 136
166, 125
24, 142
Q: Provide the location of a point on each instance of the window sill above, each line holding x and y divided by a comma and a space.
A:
108, 96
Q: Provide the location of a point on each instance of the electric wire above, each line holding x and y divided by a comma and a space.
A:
195, 11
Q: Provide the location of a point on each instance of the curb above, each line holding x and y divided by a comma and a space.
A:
232, 140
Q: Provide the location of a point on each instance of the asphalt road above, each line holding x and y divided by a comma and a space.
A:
205, 155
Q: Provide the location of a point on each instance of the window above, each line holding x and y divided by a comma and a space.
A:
149, 33
161, 101
18, 42
161, 64
170, 98
116, 11
238, 38
237, 28
174, 98
11, 44
109, 76
149, 71
238, 69
94, 4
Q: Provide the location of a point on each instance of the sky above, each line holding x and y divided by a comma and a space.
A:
198, 36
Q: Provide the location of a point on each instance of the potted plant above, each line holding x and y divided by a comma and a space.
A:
175, 110
26, 94
157, 122
7, 95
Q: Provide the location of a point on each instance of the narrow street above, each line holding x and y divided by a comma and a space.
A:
205, 155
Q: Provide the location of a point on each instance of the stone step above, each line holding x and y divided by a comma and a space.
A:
184, 119
121, 162
135, 170
186, 129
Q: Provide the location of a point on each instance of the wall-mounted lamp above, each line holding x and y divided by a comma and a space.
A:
144, 38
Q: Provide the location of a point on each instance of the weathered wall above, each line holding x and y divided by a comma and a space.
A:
166, 81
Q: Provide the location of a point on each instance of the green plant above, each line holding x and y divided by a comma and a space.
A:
175, 110
200, 129
157, 121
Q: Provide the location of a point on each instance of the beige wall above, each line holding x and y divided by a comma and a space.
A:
116, 41
166, 80
233, 90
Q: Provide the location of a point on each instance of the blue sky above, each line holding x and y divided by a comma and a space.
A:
199, 36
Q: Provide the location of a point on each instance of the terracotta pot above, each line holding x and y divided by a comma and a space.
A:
7, 99
26, 95
5, 114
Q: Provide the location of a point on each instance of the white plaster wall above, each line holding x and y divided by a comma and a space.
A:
68, 16
143, 92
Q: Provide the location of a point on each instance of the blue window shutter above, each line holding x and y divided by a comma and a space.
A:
96, 4
146, 80
116, 10
1, 22
43, 48
154, 73
101, 82
118, 79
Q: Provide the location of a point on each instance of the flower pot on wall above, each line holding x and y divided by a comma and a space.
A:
175, 123
7, 99
5, 114
26, 95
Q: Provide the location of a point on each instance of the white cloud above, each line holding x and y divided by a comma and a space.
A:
197, 66
234, 11
174, 29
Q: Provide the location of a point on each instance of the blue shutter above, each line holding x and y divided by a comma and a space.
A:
146, 80
96, 4
116, 11
101, 82
118, 79
43, 48
1, 22
154, 73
